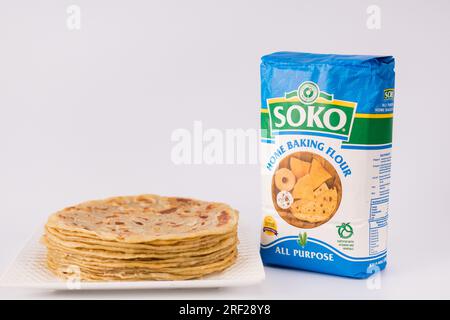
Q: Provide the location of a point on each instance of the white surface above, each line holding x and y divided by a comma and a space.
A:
89, 114
29, 270
401, 279
405, 277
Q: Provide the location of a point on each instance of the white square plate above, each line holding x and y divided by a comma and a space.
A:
29, 271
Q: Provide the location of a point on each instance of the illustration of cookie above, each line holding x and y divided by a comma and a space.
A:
284, 179
284, 199
313, 186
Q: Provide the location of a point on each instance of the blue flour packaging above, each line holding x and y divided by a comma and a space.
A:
326, 141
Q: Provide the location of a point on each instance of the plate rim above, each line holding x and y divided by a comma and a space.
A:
61, 285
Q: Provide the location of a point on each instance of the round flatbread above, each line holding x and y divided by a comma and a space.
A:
136, 219
144, 237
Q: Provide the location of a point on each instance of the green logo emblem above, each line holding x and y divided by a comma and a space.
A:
302, 239
345, 230
308, 92
389, 94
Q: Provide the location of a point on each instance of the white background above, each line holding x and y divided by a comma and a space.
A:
89, 113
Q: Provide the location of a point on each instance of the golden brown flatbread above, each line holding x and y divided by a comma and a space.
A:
137, 219
144, 237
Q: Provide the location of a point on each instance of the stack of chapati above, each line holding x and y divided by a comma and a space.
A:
144, 237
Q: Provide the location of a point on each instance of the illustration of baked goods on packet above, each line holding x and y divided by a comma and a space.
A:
306, 190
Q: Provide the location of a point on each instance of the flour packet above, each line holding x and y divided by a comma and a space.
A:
326, 144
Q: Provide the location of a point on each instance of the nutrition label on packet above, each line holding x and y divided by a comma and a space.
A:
379, 202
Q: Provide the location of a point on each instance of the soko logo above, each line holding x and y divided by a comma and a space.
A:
389, 94
308, 109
